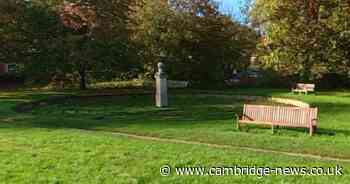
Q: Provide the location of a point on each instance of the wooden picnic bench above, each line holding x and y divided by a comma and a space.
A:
304, 88
284, 116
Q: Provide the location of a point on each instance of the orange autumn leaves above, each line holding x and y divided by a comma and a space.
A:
79, 17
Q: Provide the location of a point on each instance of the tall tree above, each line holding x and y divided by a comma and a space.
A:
304, 37
12, 42
193, 36
79, 38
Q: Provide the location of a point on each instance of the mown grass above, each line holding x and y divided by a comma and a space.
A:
71, 156
199, 118
44, 144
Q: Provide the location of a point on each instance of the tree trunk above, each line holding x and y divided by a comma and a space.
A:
82, 73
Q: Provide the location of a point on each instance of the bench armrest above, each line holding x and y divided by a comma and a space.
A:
240, 117
313, 122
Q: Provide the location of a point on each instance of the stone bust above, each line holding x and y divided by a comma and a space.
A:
161, 67
161, 70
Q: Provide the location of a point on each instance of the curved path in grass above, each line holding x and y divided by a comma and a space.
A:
202, 121
177, 141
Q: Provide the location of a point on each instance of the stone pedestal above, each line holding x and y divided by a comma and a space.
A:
161, 87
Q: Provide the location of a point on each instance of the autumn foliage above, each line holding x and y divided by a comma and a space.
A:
77, 16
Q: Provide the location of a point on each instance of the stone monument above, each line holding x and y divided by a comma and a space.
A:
161, 87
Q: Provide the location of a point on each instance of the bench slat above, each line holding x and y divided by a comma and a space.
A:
280, 115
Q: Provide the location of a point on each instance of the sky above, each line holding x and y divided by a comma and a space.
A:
232, 7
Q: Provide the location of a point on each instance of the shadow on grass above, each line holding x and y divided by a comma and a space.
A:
121, 112
295, 131
116, 112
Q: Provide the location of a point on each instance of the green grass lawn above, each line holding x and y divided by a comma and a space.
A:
44, 143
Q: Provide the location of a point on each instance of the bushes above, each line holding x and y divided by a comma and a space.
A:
136, 83
328, 81
275, 80
333, 81
11, 77
11, 80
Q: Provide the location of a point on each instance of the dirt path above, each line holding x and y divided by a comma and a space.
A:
176, 141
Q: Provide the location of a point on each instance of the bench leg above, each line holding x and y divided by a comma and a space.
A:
311, 130
238, 127
273, 129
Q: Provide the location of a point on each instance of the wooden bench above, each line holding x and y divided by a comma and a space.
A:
279, 116
303, 88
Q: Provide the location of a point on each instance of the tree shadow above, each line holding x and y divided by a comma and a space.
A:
121, 112
117, 112
332, 132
